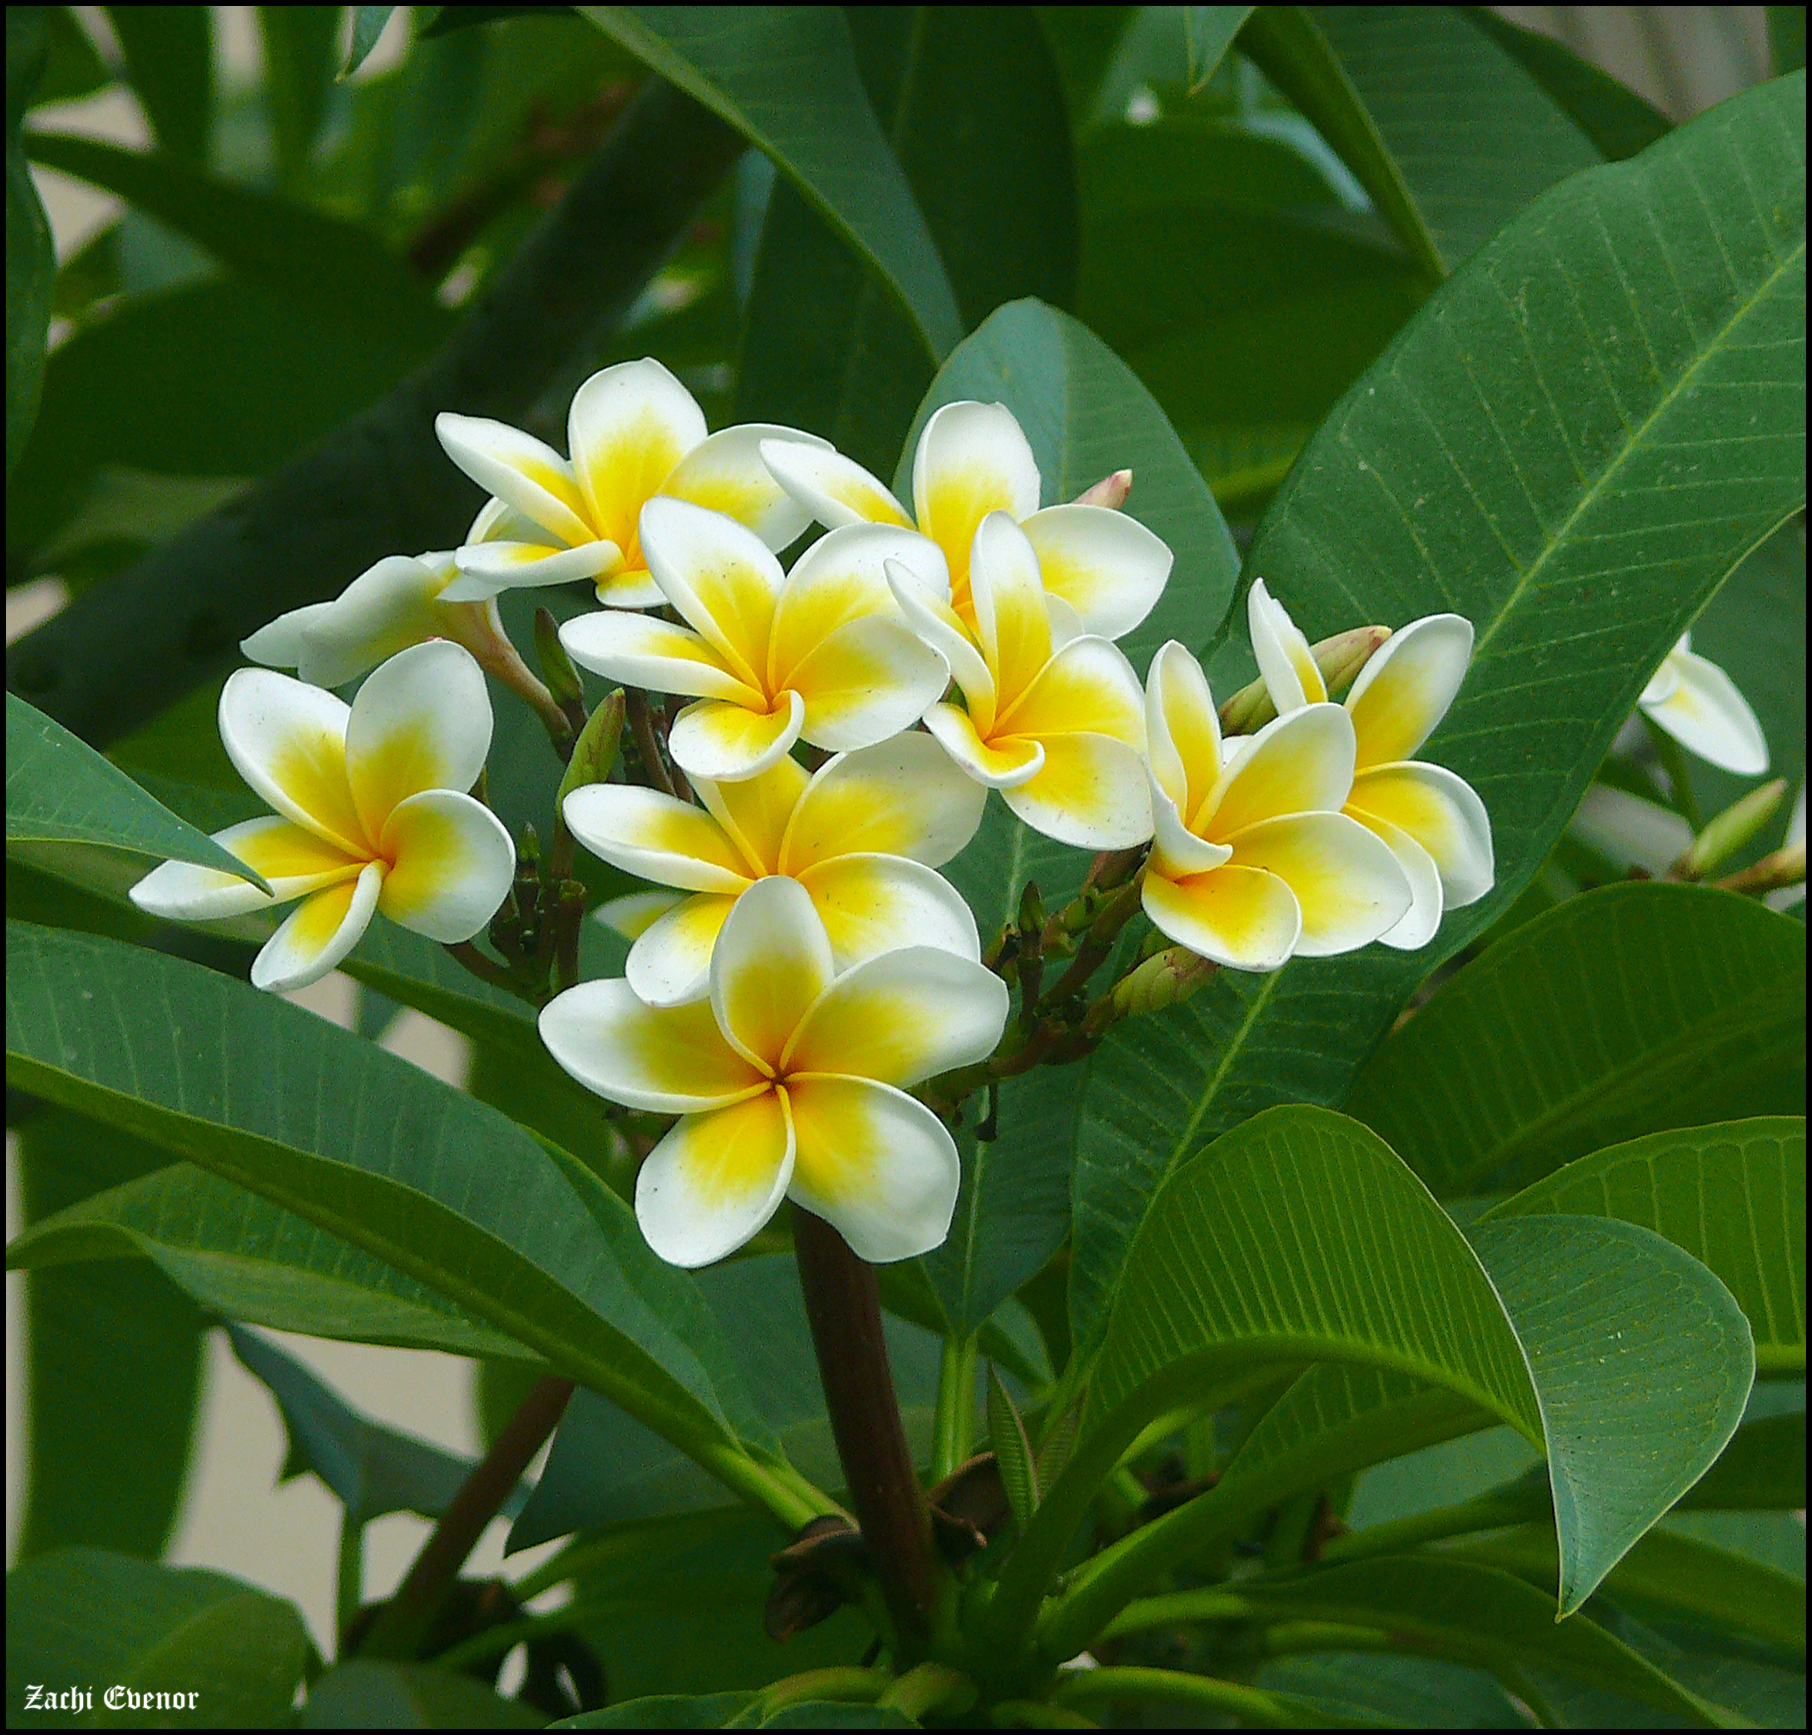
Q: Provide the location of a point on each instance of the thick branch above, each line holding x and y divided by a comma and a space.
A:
122, 652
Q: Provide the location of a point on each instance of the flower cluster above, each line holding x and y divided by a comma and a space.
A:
799, 963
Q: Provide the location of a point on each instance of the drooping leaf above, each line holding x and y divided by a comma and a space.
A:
381, 1153
362, 1694
1411, 500
372, 1469
82, 1616
169, 53
60, 791
1631, 1009
786, 79
31, 263
115, 1364
239, 1255
367, 26
1012, 1452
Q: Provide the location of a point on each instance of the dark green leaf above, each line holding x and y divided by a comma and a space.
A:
1410, 501
371, 1469
367, 1695
383, 1154
30, 258
73, 68
81, 1617
1764, 1466
1631, 1009
115, 1364
1209, 31
1414, 1692
1012, 1452
300, 46
169, 54
786, 79
243, 1257
367, 26
664, 1711
827, 1714
60, 791
1082, 41
1786, 38
1618, 121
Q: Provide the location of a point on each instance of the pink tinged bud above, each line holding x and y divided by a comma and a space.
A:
1110, 491
1339, 659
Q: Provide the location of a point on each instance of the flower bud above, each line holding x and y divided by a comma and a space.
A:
1031, 909
1110, 491
595, 752
1731, 830
1773, 873
556, 666
1162, 980
1339, 659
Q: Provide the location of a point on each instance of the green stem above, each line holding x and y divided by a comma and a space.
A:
1029, 1714
1490, 1511
1202, 1692
954, 1430
929, 1687
840, 1686
467, 954
350, 1579
1176, 1609
1679, 776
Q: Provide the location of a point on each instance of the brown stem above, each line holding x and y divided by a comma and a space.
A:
843, 1304
468, 954
1115, 914
404, 1623
641, 724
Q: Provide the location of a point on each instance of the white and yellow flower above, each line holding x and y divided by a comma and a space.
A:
1103, 569
1433, 820
862, 835
790, 1080
371, 813
1059, 730
1253, 860
634, 433
396, 603
820, 654
1699, 705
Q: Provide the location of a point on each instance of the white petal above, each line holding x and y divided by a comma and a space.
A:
901, 1017
722, 578
1012, 625
729, 742
292, 860
520, 470
1177, 851
670, 963
1707, 715
1301, 762
1346, 881
630, 587
1183, 729
655, 837
491, 567
904, 797
1406, 688
772, 961
321, 930
836, 490
754, 811
1107, 566
1427, 903
1003, 765
387, 608
629, 427
451, 865
1091, 792
667, 1059
422, 721
972, 459
1242, 917
1442, 812
288, 741
880, 903
1284, 658
634, 913
939, 626
1661, 683
866, 682
1088, 687
874, 1164
842, 577
1066, 623
715, 1180
727, 474
654, 655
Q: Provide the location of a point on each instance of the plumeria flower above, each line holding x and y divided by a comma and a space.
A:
1433, 820
820, 654
862, 835
1103, 569
1253, 859
399, 602
1699, 705
634, 432
372, 813
790, 1080
1058, 730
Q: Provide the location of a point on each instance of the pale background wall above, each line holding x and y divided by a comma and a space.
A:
234, 1518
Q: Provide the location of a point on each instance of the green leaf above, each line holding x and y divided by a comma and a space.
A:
371, 1469
169, 54
786, 79
320, 262
1631, 1009
825, 346
1786, 38
1413, 1692
1763, 1467
115, 1365
606, 1469
1618, 121
73, 67
60, 791
84, 1617
1409, 502
367, 26
1209, 31
1012, 1452
31, 264
239, 1255
1447, 132
664, 1711
300, 47
367, 1695
1087, 416
379, 1152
